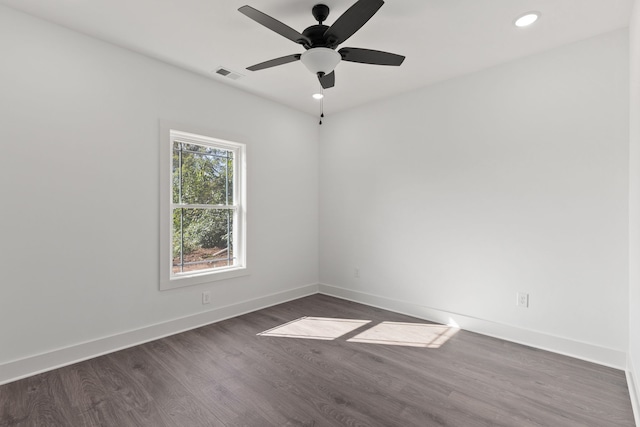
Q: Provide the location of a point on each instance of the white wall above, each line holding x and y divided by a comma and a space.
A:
79, 183
634, 212
459, 195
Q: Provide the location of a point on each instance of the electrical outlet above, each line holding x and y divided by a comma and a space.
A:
522, 300
356, 273
206, 297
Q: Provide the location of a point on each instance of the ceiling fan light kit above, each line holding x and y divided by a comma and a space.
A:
320, 60
321, 41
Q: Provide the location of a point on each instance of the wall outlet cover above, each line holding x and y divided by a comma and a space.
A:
206, 297
522, 299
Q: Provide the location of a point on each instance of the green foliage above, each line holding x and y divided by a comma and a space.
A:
201, 176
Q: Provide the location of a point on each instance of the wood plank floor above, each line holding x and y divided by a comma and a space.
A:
226, 374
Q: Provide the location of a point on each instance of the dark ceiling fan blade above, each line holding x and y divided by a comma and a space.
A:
275, 25
368, 56
351, 21
275, 62
328, 80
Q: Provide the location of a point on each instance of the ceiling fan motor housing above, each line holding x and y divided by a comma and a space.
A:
315, 33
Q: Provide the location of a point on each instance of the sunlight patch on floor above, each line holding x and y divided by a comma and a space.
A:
315, 328
425, 335
406, 334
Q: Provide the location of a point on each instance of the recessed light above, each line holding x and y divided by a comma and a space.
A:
527, 19
317, 96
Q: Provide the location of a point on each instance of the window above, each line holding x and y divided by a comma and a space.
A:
203, 210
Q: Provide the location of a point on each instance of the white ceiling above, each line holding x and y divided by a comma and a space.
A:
440, 38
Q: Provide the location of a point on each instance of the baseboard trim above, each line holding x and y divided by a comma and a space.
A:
580, 350
634, 391
26, 367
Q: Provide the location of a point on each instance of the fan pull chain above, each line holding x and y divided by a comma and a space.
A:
321, 106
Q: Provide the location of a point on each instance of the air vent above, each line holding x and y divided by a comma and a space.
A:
225, 72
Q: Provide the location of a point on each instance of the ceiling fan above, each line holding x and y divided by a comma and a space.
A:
320, 41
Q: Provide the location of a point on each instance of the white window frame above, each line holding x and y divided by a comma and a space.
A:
168, 279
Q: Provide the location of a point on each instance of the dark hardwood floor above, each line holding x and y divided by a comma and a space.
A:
226, 374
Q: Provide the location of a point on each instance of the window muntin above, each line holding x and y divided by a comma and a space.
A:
204, 216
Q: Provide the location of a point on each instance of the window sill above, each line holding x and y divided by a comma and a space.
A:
202, 278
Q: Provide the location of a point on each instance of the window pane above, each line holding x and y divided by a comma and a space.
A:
202, 239
202, 175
